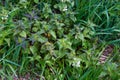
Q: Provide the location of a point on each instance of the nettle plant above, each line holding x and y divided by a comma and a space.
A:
43, 26
51, 31
6, 28
46, 33
57, 38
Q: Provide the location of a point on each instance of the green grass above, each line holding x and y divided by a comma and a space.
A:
59, 39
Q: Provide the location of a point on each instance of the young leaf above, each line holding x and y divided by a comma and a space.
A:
23, 34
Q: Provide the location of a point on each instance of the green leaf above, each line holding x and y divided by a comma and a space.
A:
53, 34
102, 74
1, 41
73, 18
33, 49
37, 57
23, 34
20, 40
35, 29
64, 43
81, 36
42, 39
36, 1
8, 41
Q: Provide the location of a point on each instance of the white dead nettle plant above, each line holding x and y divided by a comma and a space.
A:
4, 17
76, 62
6, 14
68, 1
65, 8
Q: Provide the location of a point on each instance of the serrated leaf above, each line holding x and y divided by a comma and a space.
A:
42, 39
53, 34
33, 49
81, 36
64, 43
23, 34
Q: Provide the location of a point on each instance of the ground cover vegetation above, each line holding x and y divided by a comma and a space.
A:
60, 39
